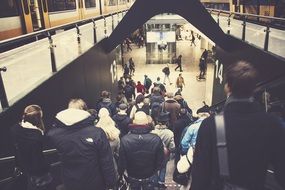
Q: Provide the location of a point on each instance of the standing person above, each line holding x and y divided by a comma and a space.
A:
109, 127
128, 43
173, 107
156, 100
179, 63
254, 139
129, 91
29, 142
203, 64
167, 137
122, 120
141, 154
180, 82
132, 66
166, 72
140, 88
106, 102
192, 38
86, 156
147, 83
161, 86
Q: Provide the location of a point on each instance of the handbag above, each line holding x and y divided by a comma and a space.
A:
223, 154
40, 182
181, 178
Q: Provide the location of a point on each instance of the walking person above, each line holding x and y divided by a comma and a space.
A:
86, 156
166, 72
180, 82
179, 63
147, 83
141, 154
192, 38
167, 137
29, 143
128, 43
132, 66
203, 64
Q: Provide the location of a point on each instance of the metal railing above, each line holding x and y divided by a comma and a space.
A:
265, 32
17, 173
69, 40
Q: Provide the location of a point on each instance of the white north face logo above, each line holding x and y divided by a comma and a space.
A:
89, 140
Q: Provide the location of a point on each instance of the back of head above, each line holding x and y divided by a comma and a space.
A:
169, 95
139, 98
77, 104
105, 94
103, 112
156, 90
108, 125
140, 118
33, 114
241, 79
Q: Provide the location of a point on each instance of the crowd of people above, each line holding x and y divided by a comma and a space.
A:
132, 139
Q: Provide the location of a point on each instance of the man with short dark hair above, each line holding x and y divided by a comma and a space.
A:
254, 138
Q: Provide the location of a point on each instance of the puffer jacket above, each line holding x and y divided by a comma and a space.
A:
141, 153
122, 122
87, 161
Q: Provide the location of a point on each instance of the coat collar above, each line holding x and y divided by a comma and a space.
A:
139, 129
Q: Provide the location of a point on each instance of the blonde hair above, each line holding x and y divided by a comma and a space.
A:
108, 125
77, 104
33, 114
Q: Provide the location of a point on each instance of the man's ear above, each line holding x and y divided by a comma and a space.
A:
227, 89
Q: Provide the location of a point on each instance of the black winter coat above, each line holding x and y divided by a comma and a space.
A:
178, 126
141, 153
254, 140
122, 122
87, 161
29, 150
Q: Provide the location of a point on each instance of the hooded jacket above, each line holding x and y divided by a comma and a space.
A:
122, 121
141, 153
29, 149
87, 161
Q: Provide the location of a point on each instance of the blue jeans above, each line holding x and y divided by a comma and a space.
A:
162, 173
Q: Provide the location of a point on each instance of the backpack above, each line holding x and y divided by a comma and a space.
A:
107, 105
166, 71
128, 90
148, 82
144, 108
155, 109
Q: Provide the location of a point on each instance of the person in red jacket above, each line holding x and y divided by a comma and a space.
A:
140, 88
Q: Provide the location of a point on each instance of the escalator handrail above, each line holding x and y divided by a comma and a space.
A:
246, 14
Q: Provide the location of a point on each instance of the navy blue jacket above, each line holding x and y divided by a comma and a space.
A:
87, 161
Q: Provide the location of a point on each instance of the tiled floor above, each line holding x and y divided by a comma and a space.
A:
194, 92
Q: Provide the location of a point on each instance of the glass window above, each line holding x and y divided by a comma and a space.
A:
113, 2
121, 2
90, 3
61, 5
8, 8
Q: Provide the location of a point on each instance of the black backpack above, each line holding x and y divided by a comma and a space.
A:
144, 108
107, 105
